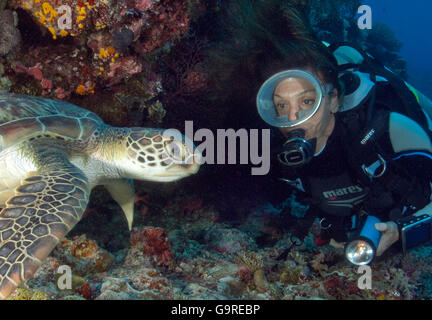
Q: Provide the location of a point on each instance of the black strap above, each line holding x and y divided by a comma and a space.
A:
397, 187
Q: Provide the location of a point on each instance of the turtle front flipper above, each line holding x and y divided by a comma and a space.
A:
43, 210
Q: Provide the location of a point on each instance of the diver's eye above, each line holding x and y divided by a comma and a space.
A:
280, 105
309, 102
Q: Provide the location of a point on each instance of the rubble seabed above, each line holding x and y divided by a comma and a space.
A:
194, 256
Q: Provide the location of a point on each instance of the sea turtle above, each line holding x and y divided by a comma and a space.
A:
52, 154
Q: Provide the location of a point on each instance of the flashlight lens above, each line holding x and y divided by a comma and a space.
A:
359, 252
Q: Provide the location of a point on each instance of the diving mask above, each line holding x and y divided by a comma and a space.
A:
308, 95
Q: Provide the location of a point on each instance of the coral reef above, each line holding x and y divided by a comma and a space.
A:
330, 19
383, 44
152, 20
10, 36
188, 206
28, 294
83, 256
5, 83
174, 264
255, 265
184, 73
122, 289
228, 240
335, 21
77, 50
152, 242
384, 36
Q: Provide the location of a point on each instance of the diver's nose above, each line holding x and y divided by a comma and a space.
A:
293, 113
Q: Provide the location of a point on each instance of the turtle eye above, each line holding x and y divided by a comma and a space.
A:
175, 150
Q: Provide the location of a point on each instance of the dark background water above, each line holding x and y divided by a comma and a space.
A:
411, 21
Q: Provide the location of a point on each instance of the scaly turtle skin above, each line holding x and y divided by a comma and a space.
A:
52, 154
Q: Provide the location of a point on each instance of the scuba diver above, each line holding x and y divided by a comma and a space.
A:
350, 135
355, 140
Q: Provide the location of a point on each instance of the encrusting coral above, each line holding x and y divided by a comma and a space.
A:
10, 36
89, 45
255, 265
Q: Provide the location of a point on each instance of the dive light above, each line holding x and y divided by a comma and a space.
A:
362, 249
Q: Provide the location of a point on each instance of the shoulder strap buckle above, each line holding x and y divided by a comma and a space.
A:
371, 170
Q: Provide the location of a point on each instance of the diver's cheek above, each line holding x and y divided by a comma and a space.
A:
310, 132
319, 129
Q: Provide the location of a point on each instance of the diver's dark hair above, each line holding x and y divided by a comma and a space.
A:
265, 37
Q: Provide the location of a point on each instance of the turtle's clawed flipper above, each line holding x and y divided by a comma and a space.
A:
45, 207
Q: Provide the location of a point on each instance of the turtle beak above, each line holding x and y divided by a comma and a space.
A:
196, 162
192, 164
187, 167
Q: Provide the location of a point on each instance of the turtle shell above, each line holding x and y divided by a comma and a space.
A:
23, 117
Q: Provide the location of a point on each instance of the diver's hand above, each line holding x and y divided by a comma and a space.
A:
390, 235
336, 245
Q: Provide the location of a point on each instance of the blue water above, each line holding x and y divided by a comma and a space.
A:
411, 21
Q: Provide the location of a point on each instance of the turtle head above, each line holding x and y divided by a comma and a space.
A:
158, 155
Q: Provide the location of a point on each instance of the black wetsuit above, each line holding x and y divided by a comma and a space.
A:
336, 188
